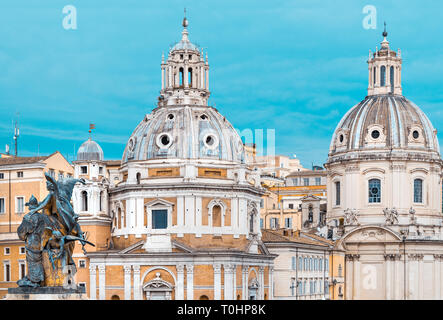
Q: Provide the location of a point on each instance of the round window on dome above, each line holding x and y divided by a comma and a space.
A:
375, 134
170, 116
210, 141
415, 134
204, 117
164, 140
341, 138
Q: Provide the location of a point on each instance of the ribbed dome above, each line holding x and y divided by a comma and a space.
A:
184, 43
185, 132
90, 150
384, 122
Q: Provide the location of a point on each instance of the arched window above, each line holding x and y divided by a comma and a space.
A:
374, 186
337, 193
115, 297
251, 223
310, 214
190, 77
375, 74
119, 218
418, 191
181, 77
84, 197
100, 201
391, 77
382, 76
204, 297
216, 216
138, 177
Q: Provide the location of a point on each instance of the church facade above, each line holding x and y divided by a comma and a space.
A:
384, 191
177, 217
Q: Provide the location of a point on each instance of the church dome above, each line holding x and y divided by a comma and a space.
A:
184, 132
384, 122
90, 150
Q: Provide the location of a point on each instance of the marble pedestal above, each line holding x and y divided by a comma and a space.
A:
46, 293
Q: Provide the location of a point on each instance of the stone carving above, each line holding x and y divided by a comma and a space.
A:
415, 256
352, 257
412, 217
392, 257
391, 216
351, 217
49, 230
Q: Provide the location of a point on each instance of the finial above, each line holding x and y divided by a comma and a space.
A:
385, 34
185, 21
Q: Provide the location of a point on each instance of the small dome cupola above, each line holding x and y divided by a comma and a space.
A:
185, 73
90, 151
384, 68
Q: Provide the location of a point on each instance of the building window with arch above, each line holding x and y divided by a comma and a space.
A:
382, 76
84, 197
310, 213
391, 77
337, 193
375, 74
374, 190
138, 177
418, 190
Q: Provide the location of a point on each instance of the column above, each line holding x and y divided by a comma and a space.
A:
101, 282
228, 282
180, 289
170, 77
245, 270
420, 277
398, 280
189, 282
261, 277
388, 276
127, 270
356, 276
137, 289
185, 76
92, 282
163, 78
217, 281
349, 277
436, 278
271, 283
207, 78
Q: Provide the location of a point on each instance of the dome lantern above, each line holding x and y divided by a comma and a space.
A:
384, 69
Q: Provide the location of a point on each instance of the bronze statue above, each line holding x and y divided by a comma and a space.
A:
49, 230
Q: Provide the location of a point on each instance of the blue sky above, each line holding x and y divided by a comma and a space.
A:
293, 66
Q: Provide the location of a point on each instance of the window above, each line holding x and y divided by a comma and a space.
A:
310, 214
374, 191
51, 173
22, 250
84, 170
317, 181
294, 263
261, 223
262, 203
315, 264
300, 263
418, 191
382, 76
321, 265
83, 285
306, 181
19, 174
288, 222
2, 205
375, 73
216, 216
6, 271
291, 206
251, 223
391, 77
20, 205
295, 181
7, 251
159, 219
61, 175
84, 196
82, 263
274, 222
326, 265
306, 264
311, 264
100, 170
337, 193
22, 269
2, 175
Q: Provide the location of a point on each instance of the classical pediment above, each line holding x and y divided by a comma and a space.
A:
370, 234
